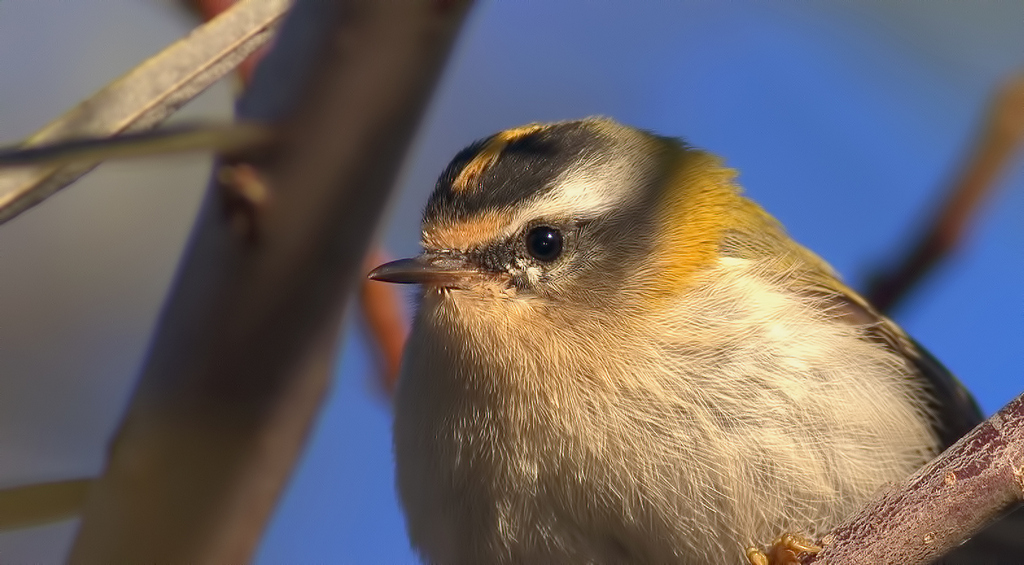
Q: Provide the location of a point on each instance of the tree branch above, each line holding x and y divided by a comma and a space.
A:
245, 346
41, 503
946, 502
143, 97
998, 140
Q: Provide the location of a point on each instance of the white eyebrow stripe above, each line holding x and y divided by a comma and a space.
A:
592, 187
576, 196
588, 193
580, 197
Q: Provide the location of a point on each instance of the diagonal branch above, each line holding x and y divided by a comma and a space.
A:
144, 97
946, 502
246, 342
41, 503
998, 141
231, 139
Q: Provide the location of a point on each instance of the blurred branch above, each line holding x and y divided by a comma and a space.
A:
999, 139
209, 9
144, 97
387, 323
245, 347
943, 504
42, 503
223, 138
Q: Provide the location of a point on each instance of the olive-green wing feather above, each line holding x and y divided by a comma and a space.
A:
755, 235
953, 407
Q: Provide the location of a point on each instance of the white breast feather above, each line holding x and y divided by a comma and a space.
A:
736, 414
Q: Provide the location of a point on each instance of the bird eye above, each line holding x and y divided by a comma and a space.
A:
544, 243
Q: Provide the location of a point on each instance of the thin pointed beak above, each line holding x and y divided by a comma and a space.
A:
449, 270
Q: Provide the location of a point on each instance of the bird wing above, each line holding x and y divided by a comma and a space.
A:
756, 236
760, 237
954, 410
956, 413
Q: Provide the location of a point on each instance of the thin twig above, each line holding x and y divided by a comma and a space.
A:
42, 503
1000, 136
222, 138
245, 347
144, 97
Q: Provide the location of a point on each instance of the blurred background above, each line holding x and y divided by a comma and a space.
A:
846, 121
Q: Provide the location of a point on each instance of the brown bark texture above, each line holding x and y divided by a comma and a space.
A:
245, 347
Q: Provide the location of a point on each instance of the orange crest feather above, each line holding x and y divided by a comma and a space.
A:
488, 155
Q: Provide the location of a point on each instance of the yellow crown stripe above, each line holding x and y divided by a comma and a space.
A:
488, 155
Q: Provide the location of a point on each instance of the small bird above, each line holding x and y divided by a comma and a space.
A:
618, 357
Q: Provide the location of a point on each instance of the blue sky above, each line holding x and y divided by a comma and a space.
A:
845, 122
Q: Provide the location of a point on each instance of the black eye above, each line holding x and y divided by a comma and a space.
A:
544, 243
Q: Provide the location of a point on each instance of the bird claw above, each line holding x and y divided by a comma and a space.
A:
784, 550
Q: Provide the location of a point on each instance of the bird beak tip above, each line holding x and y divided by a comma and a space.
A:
401, 271
426, 269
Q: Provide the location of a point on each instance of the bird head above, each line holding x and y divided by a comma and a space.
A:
586, 213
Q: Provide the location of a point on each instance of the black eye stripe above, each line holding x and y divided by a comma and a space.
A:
544, 243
